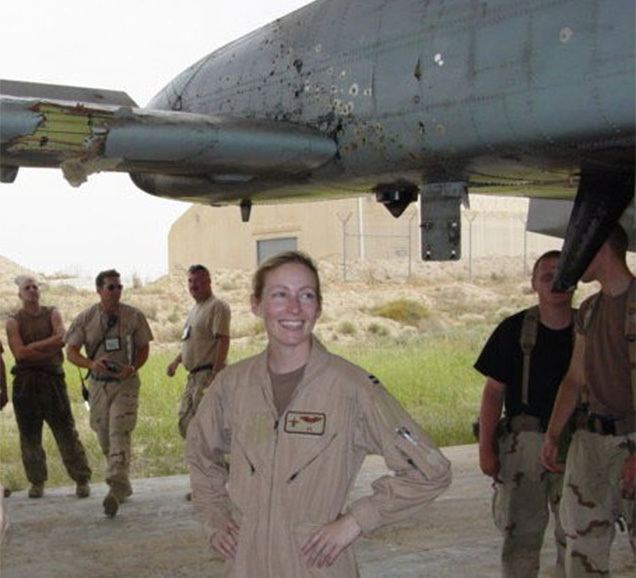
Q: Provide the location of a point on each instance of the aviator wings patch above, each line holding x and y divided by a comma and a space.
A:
305, 422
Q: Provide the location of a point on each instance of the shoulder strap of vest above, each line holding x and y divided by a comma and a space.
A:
630, 335
527, 339
586, 319
589, 312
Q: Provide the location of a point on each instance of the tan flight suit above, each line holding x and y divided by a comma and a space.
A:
592, 499
113, 402
40, 395
199, 345
291, 475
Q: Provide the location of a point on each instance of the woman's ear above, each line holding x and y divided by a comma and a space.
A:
256, 305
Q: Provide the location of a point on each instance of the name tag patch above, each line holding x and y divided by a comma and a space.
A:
305, 422
112, 344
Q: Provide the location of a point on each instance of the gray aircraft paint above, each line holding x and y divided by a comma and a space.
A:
508, 96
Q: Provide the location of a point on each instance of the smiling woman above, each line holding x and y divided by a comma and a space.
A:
298, 422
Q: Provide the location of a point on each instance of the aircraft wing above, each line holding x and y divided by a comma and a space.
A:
109, 133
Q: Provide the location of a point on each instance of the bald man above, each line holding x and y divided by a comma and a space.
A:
35, 334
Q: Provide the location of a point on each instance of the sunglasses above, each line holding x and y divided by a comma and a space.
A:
113, 287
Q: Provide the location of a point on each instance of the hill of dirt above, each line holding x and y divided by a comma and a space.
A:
378, 300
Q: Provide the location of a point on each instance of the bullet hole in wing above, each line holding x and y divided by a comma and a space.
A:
565, 34
418, 70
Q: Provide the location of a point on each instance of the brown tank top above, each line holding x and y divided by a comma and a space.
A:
35, 328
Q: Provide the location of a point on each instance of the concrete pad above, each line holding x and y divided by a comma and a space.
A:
155, 534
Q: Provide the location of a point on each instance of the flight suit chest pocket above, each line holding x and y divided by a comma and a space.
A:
312, 454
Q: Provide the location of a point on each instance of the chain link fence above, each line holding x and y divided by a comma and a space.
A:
483, 235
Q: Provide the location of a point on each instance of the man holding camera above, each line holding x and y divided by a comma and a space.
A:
39, 390
116, 341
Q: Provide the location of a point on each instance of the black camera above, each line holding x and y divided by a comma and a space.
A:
111, 366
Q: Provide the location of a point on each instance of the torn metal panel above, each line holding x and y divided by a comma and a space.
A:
72, 130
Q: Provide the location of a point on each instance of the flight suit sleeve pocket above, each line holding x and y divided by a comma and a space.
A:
415, 452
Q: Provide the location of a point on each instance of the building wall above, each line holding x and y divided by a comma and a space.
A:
216, 237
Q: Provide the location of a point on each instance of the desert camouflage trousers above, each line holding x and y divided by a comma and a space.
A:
113, 418
592, 501
40, 396
521, 505
195, 388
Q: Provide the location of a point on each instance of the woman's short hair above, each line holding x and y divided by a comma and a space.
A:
267, 266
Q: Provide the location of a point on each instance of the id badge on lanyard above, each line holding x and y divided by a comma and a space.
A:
112, 344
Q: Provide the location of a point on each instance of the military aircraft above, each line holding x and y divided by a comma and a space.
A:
409, 99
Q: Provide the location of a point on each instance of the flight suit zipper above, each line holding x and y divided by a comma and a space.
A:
270, 521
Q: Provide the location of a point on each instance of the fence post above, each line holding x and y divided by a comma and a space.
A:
413, 215
524, 224
471, 216
344, 219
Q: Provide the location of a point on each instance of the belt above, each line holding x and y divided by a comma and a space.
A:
49, 370
524, 422
105, 379
202, 368
609, 425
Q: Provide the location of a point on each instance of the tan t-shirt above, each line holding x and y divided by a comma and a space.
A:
117, 337
283, 387
205, 322
607, 372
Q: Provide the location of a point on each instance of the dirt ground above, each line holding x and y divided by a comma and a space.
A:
156, 535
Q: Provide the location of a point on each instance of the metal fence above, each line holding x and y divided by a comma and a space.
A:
481, 237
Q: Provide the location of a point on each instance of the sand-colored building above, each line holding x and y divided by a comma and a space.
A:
347, 229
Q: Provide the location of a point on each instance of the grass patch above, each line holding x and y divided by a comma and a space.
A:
432, 378
404, 311
346, 328
378, 329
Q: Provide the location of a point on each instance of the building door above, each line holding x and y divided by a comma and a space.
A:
269, 247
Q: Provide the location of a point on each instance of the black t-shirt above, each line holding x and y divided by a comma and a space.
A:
502, 360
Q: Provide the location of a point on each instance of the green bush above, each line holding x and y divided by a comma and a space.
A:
403, 311
346, 328
378, 329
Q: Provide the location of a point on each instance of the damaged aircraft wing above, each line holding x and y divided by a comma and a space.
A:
109, 132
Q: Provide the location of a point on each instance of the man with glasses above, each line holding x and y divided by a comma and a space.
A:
524, 361
204, 343
35, 336
115, 338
